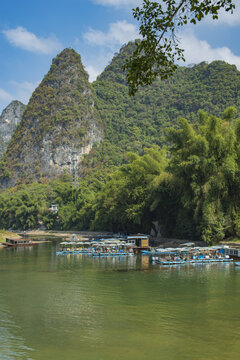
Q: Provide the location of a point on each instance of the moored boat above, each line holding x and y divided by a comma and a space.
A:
103, 247
195, 255
14, 242
233, 252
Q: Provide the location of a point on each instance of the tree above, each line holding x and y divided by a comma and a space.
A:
156, 54
125, 202
205, 168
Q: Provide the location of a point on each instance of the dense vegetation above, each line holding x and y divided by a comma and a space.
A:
134, 123
158, 50
192, 189
153, 165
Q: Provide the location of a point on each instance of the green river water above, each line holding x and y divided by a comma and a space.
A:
78, 307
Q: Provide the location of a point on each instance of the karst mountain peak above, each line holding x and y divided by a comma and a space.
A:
59, 120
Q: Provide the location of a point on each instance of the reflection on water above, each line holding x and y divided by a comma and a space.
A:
11, 343
77, 306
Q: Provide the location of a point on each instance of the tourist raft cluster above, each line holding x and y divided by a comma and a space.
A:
183, 255
115, 246
130, 245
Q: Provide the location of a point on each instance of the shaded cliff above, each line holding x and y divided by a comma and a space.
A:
9, 119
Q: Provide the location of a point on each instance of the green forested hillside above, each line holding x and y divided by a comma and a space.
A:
133, 123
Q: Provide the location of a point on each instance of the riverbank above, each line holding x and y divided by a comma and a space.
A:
89, 234
231, 243
5, 233
45, 233
62, 234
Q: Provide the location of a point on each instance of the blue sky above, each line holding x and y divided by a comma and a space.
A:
32, 32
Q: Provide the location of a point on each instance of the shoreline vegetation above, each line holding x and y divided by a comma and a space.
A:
188, 190
48, 234
85, 234
6, 233
163, 165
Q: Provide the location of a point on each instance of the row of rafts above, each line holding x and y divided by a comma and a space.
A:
192, 261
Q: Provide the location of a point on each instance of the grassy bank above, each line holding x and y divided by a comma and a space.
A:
5, 233
231, 242
63, 233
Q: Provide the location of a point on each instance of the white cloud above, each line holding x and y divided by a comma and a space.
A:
118, 3
22, 91
93, 67
225, 17
108, 43
5, 96
118, 34
200, 50
93, 72
26, 40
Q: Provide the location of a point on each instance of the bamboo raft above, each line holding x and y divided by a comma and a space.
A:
91, 253
192, 261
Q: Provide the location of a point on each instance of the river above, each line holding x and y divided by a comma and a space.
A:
79, 307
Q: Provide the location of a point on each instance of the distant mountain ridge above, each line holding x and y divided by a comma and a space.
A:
134, 123
67, 115
9, 119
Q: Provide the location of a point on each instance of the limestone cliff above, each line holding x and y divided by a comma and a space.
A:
59, 122
9, 119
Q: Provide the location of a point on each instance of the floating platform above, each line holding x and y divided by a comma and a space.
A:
16, 242
193, 261
113, 254
67, 252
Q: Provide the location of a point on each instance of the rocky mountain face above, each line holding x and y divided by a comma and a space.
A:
66, 115
60, 125
9, 119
